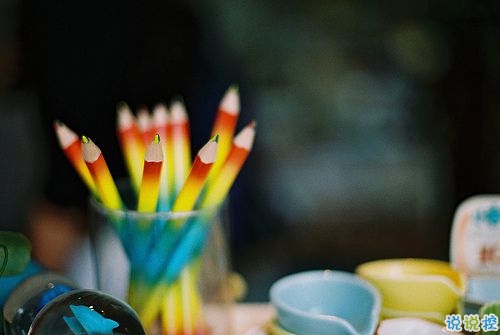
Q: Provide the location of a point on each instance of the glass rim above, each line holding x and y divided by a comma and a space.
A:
124, 186
101, 208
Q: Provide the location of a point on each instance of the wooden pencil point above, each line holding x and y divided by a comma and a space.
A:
156, 139
235, 88
85, 139
230, 102
58, 123
122, 105
177, 99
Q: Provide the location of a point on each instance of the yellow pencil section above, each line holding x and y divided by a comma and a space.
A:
161, 125
180, 146
131, 143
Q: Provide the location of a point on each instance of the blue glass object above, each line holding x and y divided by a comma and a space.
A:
29, 297
81, 312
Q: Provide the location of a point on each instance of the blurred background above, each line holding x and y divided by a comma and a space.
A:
375, 119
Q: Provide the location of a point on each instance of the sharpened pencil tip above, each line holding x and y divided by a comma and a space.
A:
156, 140
216, 138
177, 99
235, 87
57, 124
121, 104
85, 139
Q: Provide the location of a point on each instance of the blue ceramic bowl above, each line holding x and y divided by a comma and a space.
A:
325, 303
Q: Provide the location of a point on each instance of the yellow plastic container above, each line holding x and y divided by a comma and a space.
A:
423, 288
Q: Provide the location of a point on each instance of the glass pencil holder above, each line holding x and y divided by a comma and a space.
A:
171, 267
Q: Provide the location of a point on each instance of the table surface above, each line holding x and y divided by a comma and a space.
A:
250, 316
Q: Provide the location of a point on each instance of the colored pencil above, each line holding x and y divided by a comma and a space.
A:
225, 125
139, 244
179, 152
72, 147
150, 186
195, 181
174, 312
180, 144
98, 168
221, 184
195, 236
172, 304
181, 308
161, 126
131, 143
106, 187
145, 125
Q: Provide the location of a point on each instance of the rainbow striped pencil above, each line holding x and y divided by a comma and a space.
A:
143, 231
101, 175
225, 125
150, 185
193, 240
176, 314
180, 161
161, 125
72, 148
179, 152
106, 187
186, 199
145, 125
131, 143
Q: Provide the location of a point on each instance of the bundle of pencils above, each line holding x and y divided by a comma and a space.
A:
179, 196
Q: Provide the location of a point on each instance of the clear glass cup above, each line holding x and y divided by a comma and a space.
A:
172, 268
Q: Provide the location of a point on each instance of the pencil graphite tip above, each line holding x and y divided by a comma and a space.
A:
235, 87
177, 99
122, 105
154, 152
216, 138
90, 151
58, 123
